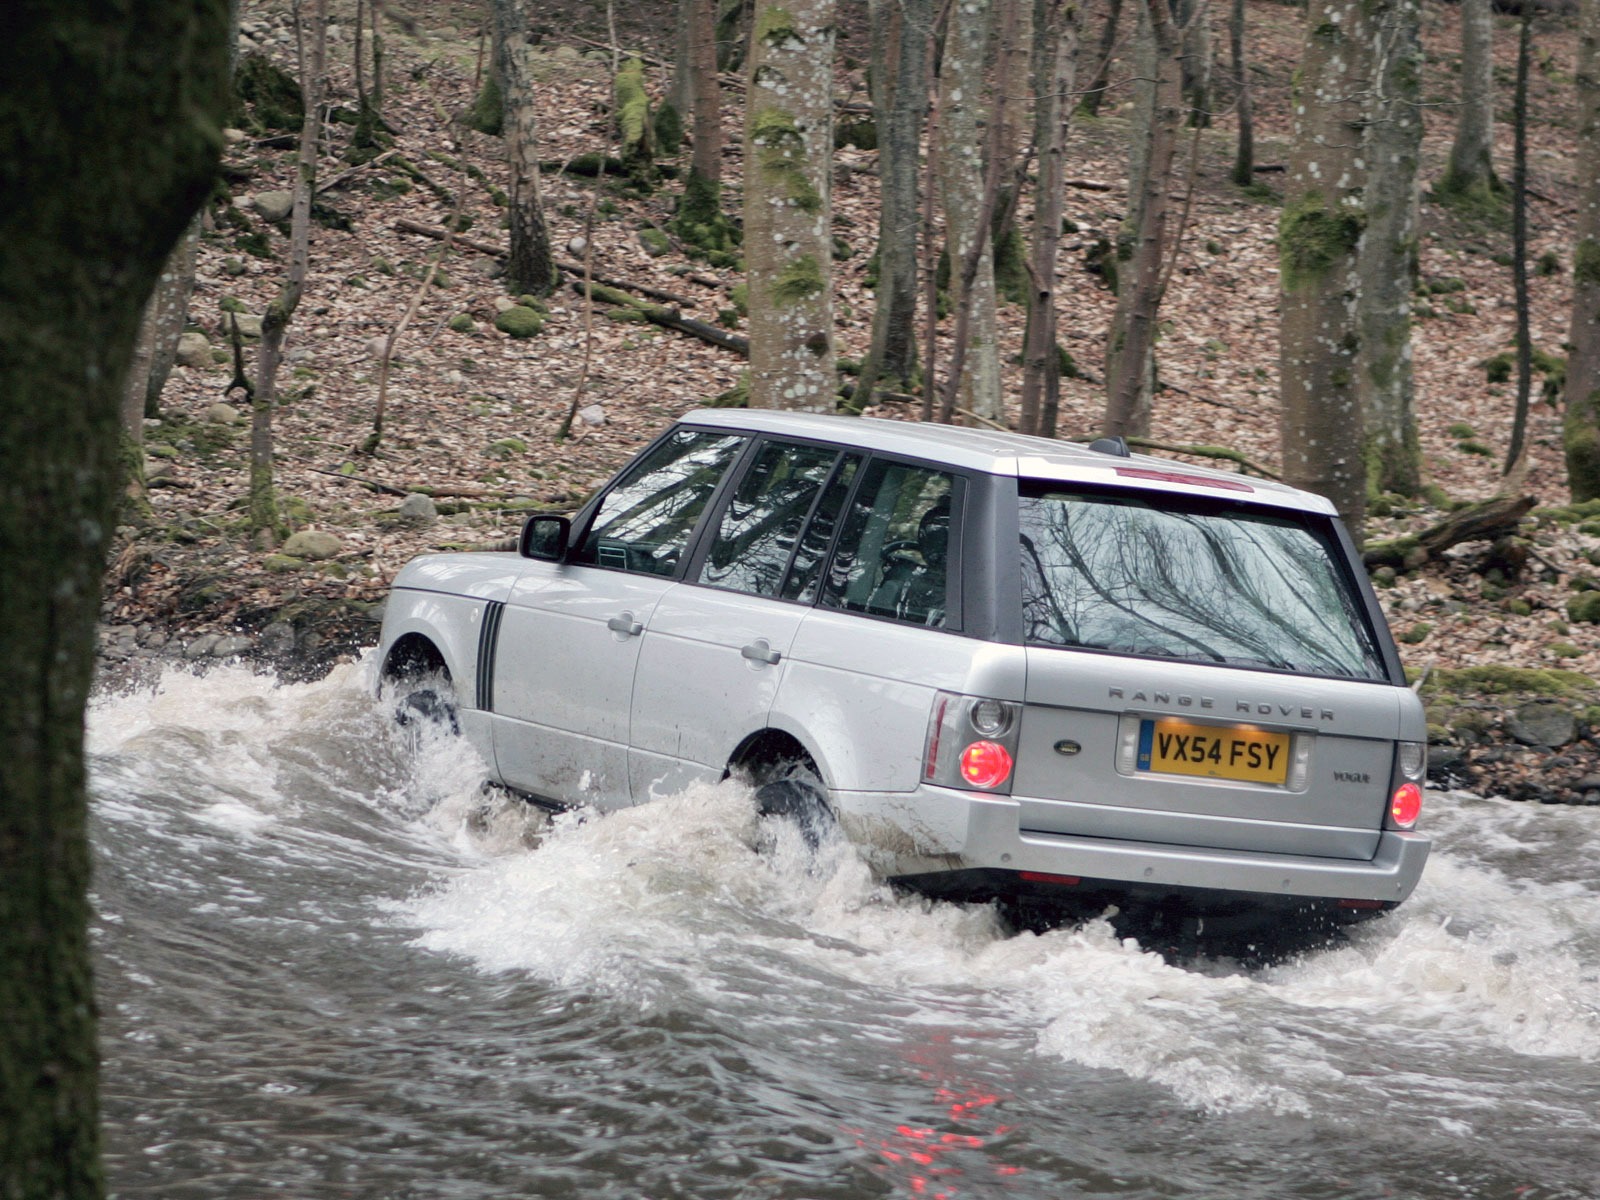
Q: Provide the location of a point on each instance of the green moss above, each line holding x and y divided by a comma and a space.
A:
1586, 262
779, 153
269, 97
1501, 680
519, 322
668, 128
633, 115
700, 221
508, 447
1585, 608
1416, 633
775, 25
800, 279
1311, 239
463, 323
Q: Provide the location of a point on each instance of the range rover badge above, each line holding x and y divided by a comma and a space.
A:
1068, 747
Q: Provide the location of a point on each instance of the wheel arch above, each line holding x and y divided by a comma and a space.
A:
414, 654
769, 748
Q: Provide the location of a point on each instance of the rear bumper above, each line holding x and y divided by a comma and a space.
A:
934, 830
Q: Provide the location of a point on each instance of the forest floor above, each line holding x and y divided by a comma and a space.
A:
472, 415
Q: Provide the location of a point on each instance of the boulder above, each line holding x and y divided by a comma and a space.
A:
273, 206
223, 414
312, 544
194, 350
419, 510
1540, 723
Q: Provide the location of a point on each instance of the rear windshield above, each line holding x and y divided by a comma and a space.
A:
1205, 583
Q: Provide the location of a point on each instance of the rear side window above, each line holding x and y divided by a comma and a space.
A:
894, 551
762, 521
645, 521
1195, 582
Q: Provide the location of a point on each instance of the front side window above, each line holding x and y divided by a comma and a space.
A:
757, 534
894, 549
646, 519
1189, 581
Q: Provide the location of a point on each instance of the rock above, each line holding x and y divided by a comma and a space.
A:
504, 304
519, 322
233, 136
417, 509
223, 414
249, 325
231, 647
375, 347
201, 646
156, 469
273, 206
1541, 723
592, 414
194, 350
277, 639
312, 544
577, 246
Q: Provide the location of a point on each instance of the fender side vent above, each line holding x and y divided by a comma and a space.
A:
488, 639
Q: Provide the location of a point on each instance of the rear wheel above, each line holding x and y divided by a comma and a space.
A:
793, 792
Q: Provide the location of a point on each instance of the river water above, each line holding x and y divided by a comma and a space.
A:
329, 967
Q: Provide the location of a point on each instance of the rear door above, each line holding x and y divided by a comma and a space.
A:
1201, 674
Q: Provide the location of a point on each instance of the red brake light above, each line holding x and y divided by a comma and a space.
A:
986, 764
1406, 805
1230, 485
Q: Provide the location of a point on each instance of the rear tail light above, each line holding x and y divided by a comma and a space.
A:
1405, 806
972, 742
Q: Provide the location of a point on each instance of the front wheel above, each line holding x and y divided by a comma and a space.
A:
795, 794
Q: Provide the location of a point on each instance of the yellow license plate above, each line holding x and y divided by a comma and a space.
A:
1213, 751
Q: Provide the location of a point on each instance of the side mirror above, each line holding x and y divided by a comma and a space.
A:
544, 536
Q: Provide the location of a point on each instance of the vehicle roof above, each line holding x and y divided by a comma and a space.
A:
1000, 452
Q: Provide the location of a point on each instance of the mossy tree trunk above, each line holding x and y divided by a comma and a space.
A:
1143, 243
1319, 237
900, 37
1389, 252
530, 267
110, 124
313, 38
1471, 167
1582, 425
975, 354
788, 152
1055, 71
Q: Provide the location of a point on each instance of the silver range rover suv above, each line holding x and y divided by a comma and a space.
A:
1003, 667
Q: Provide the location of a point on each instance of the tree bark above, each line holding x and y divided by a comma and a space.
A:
975, 357
105, 203
275, 323
528, 266
706, 161
1056, 24
1094, 95
1519, 242
1471, 166
1130, 355
1323, 218
1194, 17
788, 154
900, 30
1387, 259
1244, 159
1581, 428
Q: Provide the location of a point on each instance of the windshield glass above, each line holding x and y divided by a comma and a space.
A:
1198, 582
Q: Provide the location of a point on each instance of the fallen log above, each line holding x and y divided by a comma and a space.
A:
667, 318
1485, 521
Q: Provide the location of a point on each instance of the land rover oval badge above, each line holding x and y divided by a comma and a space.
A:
1068, 747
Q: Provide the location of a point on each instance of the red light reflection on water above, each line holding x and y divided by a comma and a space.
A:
926, 1157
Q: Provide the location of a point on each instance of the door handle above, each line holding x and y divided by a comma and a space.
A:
761, 652
625, 625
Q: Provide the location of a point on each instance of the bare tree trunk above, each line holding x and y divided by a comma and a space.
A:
1581, 433
529, 266
1519, 242
275, 324
1244, 160
1387, 258
706, 162
975, 358
1130, 356
85, 88
1056, 64
788, 157
1319, 234
1094, 95
685, 65
900, 35
1194, 17
1471, 166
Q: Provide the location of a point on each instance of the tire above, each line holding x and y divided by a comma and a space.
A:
426, 708
795, 794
